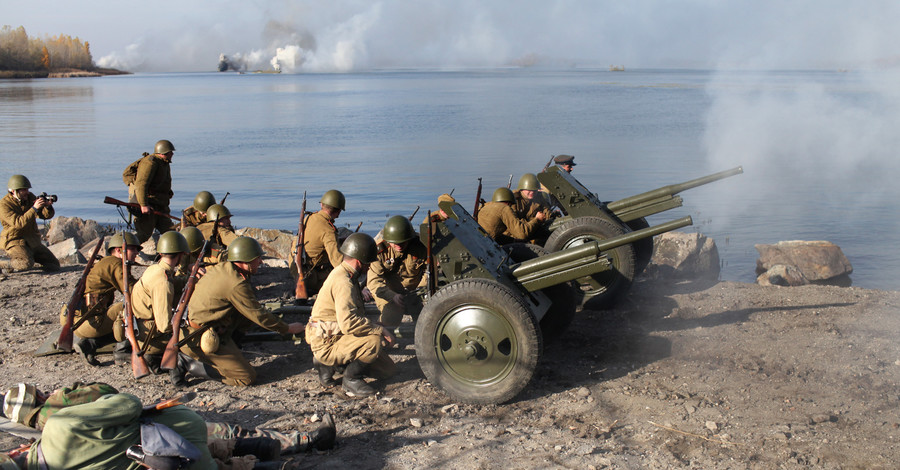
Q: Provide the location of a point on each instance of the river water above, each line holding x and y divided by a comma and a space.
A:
815, 146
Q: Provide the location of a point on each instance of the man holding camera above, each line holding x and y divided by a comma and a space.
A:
19, 211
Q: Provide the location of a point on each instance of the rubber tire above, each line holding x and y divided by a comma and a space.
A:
603, 289
643, 248
564, 297
435, 351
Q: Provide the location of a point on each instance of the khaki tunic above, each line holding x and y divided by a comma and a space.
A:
501, 223
528, 208
320, 243
223, 238
395, 272
101, 284
152, 301
225, 298
191, 217
338, 331
153, 183
20, 236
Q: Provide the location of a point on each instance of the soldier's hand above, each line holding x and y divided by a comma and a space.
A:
389, 337
540, 216
296, 328
367, 295
40, 202
398, 300
145, 209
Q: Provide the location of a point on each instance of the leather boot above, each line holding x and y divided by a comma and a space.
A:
321, 439
353, 383
87, 347
326, 374
178, 375
200, 369
263, 448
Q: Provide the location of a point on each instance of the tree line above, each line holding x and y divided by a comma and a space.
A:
19, 52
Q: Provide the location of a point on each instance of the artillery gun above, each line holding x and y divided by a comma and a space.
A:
586, 218
480, 334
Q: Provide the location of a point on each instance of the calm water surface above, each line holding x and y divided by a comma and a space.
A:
393, 140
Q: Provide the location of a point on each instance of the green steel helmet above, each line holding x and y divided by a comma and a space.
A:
217, 212
171, 243
116, 240
244, 249
529, 182
18, 182
203, 200
194, 238
334, 198
503, 195
398, 229
360, 246
19, 402
164, 146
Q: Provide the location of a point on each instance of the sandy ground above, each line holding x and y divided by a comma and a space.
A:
727, 375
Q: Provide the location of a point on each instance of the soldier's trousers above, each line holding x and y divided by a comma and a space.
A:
99, 324
344, 349
291, 442
392, 314
23, 257
145, 223
228, 361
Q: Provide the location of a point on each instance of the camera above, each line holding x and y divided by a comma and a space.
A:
51, 197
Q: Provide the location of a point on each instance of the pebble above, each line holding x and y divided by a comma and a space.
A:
415, 422
586, 449
451, 408
582, 392
712, 426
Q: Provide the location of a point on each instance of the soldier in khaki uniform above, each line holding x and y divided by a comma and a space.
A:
100, 286
439, 215
195, 214
195, 240
396, 273
529, 201
223, 300
20, 237
500, 222
218, 230
152, 189
339, 332
320, 241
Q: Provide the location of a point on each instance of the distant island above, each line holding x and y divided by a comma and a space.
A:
50, 57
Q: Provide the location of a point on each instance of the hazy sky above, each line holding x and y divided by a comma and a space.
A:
345, 35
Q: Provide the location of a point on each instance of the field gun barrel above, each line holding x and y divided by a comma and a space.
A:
670, 190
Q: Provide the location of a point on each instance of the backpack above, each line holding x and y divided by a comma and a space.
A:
130, 172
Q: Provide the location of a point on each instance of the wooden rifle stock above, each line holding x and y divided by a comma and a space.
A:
138, 364
170, 355
300, 288
161, 405
134, 205
66, 335
477, 201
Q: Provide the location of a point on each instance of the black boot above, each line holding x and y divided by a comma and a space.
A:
178, 375
353, 383
122, 353
200, 369
326, 373
264, 448
87, 347
324, 437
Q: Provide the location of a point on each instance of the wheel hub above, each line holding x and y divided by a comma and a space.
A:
476, 344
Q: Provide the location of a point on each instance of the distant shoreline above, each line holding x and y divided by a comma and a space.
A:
61, 73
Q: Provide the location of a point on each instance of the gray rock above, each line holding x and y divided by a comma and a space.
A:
276, 243
682, 255
67, 252
782, 275
82, 231
817, 260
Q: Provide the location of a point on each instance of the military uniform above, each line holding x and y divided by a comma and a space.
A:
501, 223
225, 299
100, 286
527, 209
152, 299
396, 272
320, 242
339, 332
191, 217
152, 187
20, 236
224, 237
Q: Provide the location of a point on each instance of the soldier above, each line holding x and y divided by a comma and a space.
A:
396, 273
500, 222
339, 334
195, 214
100, 286
439, 215
20, 236
529, 201
195, 240
218, 229
224, 300
566, 162
321, 241
152, 189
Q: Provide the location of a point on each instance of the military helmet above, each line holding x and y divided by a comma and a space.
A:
334, 198
19, 401
217, 212
529, 182
360, 246
244, 249
398, 229
171, 243
503, 195
194, 238
116, 240
18, 182
164, 146
203, 200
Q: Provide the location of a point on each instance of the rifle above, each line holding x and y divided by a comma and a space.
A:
224, 198
66, 335
477, 201
414, 213
300, 288
548, 163
134, 205
170, 356
138, 363
358, 227
509, 184
430, 279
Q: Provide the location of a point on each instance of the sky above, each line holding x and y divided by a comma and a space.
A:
356, 35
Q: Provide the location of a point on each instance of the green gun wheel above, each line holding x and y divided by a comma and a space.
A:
477, 340
601, 290
564, 297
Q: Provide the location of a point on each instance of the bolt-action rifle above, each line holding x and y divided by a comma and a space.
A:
548, 163
139, 366
477, 201
170, 356
300, 289
134, 205
414, 213
224, 198
509, 183
66, 335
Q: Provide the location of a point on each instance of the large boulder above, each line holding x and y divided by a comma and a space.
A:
82, 231
782, 275
67, 252
276, 243
684, 256
817, 261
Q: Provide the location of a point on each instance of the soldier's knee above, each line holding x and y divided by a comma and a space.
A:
242, 379
21, 264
